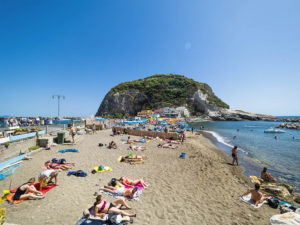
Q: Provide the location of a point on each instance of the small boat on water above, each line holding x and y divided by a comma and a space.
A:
272, 130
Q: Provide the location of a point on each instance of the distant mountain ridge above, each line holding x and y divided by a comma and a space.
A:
159, 91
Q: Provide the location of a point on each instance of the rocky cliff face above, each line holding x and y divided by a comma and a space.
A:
188, 96
160, 91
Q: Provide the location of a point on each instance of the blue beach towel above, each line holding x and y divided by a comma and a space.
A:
142, 141
78, 173
68, 150
9, 172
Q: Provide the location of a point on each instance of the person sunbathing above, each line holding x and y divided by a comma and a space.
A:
267, 176
136, 148
28, 191
62, 161
256, 196
134, 158
132, 183
122, 191
101, 207
167, 146
56, 166
131, 141
112, 144
174, 142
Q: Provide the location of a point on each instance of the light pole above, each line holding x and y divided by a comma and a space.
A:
58, 100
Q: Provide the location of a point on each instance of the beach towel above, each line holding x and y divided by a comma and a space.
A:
136, 162
10, 171
10, 198
248, 200
68, 150
78, 173
105, 169
139, 186
136, 198
255, 179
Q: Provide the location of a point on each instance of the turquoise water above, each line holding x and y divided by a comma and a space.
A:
258, 149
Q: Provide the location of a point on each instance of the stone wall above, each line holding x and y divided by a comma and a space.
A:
14, 148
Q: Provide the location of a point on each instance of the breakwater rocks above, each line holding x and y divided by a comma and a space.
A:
295, 126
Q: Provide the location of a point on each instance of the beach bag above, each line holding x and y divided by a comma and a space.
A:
113, 182
273, 203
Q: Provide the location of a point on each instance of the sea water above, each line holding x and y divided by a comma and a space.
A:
258, 149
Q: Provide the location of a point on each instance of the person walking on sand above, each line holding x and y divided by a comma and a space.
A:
73, 133
94, 128
234, 156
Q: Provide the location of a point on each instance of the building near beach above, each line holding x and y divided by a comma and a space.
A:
145, 113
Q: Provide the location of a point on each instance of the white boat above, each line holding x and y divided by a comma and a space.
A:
272, 130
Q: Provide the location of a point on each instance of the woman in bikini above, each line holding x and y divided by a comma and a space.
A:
56, 166
101, 207
27, 191
134, 158
132, 183
137, 148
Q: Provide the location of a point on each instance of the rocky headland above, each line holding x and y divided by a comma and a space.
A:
295, 126
154, 92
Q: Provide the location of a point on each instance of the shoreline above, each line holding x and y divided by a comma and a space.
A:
251, 164
203, 187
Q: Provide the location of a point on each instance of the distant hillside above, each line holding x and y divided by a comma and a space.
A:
160, 91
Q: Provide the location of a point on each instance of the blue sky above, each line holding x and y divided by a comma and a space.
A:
247, 51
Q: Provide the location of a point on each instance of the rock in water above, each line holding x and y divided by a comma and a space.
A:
296, 197
278, 190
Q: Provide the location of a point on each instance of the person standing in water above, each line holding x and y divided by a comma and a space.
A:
234, 156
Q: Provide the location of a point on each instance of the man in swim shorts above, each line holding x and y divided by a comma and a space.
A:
234, 156
122, 191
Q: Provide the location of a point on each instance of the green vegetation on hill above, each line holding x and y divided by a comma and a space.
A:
168, 90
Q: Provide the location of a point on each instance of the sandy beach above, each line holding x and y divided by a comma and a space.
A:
201, 189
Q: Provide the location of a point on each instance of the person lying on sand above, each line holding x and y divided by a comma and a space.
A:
256, 196
134, 158
27, 191
167, 146
173, 142
131, 141
62, 161
267, 176
132, 183
136, 148
122, 191
101, 207
45, 175
55, 166
112, 144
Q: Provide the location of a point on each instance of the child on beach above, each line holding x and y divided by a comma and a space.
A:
45, 175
